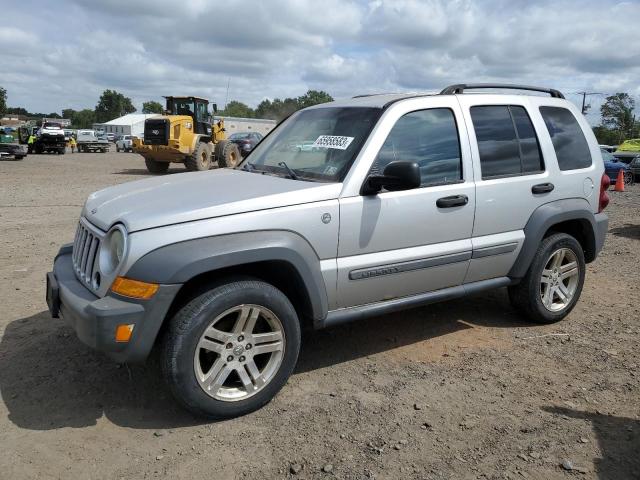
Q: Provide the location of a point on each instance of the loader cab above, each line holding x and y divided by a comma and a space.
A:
196, 108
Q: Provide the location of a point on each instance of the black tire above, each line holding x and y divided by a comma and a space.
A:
117, 148
526, 296
228, 154
181, 339
156, 167
61, 151
200, 159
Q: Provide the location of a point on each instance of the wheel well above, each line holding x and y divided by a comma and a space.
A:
582, 231
280, 274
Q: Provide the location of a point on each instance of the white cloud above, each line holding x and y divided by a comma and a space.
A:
63, 54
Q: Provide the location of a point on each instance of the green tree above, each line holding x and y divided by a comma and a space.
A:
314, 97
237, 109
112, 105
617, 114
3, 100
605, 136
83, 119
68, 113
152, 107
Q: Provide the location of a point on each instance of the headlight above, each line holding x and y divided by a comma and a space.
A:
112, 249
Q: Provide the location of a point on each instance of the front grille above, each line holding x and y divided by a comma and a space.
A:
156, 131
85, 255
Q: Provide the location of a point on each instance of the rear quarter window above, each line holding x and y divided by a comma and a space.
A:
569, 142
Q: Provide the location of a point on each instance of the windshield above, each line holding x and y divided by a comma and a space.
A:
316, 144
607, 157
239, 136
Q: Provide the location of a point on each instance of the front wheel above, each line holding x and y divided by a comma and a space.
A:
628, 178
230, 350
552, 285
156, 167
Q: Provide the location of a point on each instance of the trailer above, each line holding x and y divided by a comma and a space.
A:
88, 141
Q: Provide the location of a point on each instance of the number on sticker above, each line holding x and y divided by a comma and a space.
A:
332, 141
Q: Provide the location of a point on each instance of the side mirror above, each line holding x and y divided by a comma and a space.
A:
396, 176
214, 107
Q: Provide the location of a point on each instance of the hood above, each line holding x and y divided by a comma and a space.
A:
187, 197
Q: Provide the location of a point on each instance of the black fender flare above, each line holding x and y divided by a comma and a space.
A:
178, 263
545, 217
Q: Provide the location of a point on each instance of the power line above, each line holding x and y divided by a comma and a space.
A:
585, 107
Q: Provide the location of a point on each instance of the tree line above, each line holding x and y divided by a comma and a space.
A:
276, 109
113, 104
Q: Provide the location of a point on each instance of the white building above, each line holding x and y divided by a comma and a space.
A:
131, 124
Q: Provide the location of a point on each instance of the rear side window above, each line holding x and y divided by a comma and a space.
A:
572, 149
507, 141
429, 138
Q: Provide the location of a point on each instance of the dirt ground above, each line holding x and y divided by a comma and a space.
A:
462, 390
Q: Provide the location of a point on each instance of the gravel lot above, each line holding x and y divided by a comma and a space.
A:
462, 390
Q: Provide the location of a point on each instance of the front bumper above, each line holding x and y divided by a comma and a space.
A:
95, 319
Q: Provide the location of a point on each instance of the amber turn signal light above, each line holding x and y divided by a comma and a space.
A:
134, 288
123, 333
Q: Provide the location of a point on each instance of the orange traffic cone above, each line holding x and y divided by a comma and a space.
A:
619, 182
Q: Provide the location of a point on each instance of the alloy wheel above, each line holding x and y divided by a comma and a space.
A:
559, 279
239, 353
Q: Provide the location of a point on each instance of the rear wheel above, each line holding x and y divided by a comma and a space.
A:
156, 167
199, 160
227, 154
552, 285
230, 350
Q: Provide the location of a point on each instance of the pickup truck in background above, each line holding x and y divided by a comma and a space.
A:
88, 141
124, 143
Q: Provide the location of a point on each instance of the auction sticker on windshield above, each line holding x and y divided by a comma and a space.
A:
332, 141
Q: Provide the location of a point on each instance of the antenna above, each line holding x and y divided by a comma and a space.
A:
226, 98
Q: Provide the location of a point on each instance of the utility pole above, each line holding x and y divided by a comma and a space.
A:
585, 107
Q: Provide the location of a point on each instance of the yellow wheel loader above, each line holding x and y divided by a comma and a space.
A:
185, 134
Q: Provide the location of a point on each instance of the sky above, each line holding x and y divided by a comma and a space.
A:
63, 54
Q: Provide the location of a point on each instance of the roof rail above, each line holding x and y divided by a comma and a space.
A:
461, 87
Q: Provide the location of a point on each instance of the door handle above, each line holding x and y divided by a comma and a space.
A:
452, 201
542, 188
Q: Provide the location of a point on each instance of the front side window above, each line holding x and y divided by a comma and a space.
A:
572, 149
316, 144
428, 138
507, 141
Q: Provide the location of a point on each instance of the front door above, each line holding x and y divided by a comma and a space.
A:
396, 244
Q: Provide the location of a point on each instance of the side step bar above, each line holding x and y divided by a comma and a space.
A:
345, 315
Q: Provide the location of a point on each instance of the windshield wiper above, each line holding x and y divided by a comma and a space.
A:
248, 166
289, 170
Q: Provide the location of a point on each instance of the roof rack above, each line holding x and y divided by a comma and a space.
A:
461, 87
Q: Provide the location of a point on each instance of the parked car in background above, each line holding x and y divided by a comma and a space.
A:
245, 141
613, 165
635, 168
111, 136
124, 144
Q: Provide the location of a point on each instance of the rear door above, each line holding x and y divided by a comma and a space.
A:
396, 244
511, 174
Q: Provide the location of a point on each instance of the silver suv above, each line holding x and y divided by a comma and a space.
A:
344, 211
